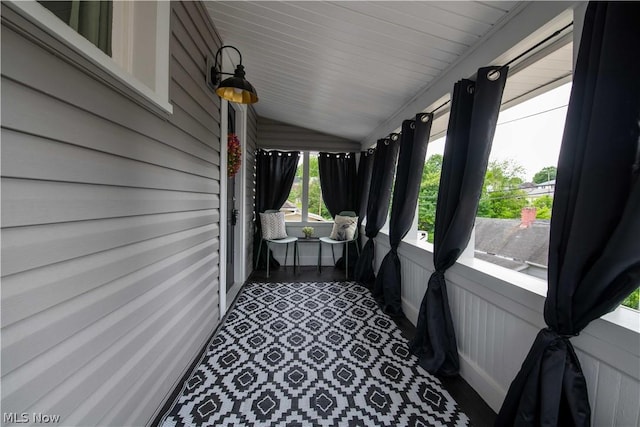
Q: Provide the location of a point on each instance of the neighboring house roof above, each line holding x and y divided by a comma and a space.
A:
506, 238
297, 217
294, 214
288, 205
537, 190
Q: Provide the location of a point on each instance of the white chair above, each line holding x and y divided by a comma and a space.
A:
332, 242
284, 240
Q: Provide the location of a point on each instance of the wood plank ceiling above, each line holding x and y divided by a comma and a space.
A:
344, 67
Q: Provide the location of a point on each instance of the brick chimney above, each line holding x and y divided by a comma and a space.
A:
527, 216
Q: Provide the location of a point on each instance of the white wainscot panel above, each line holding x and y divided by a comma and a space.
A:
496, 322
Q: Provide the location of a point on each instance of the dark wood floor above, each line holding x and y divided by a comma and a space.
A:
471, 403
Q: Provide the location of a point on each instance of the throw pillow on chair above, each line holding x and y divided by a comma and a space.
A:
273, 226
344, 227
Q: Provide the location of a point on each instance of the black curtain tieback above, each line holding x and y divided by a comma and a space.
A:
436, 281
559, 335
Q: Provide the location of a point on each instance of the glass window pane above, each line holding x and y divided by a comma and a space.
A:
429, 186
514, 215
316, 209
91, 19
292, 208
318, 212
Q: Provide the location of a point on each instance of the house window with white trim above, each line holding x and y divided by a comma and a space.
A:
91, 19
305, 203
127, 39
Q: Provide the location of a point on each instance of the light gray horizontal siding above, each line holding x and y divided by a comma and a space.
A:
110, 230
31, 202
31, 247
276, 135
31, 156
33, 113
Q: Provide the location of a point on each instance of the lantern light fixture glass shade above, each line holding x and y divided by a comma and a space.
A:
234, 89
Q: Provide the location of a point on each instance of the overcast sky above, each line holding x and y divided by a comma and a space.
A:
529, 133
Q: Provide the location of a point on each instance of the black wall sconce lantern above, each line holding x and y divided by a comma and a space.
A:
234, 89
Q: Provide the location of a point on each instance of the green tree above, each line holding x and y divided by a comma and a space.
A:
633, 300
295, 195
429, 195
543, 206
501, 194
316, 204
545, 174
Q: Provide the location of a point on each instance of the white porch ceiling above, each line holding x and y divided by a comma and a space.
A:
345, 68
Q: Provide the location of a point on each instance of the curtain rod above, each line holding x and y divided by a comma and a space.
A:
440, 106
395, 136
537, 45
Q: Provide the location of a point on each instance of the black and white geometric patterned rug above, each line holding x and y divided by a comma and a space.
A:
310, 354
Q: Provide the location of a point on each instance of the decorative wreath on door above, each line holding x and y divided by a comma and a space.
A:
234, 153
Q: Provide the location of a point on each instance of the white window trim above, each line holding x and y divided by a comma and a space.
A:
305, 187
123, 32
155, 100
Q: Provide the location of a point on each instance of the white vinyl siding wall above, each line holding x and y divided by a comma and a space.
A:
281, 136
110, 224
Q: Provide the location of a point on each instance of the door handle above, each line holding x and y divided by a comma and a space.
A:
234, 216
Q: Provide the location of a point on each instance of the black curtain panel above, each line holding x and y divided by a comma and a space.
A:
472, 123
384, 168
275, 172
338, 181
594, 248
363, 183
365, 167
413, 149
